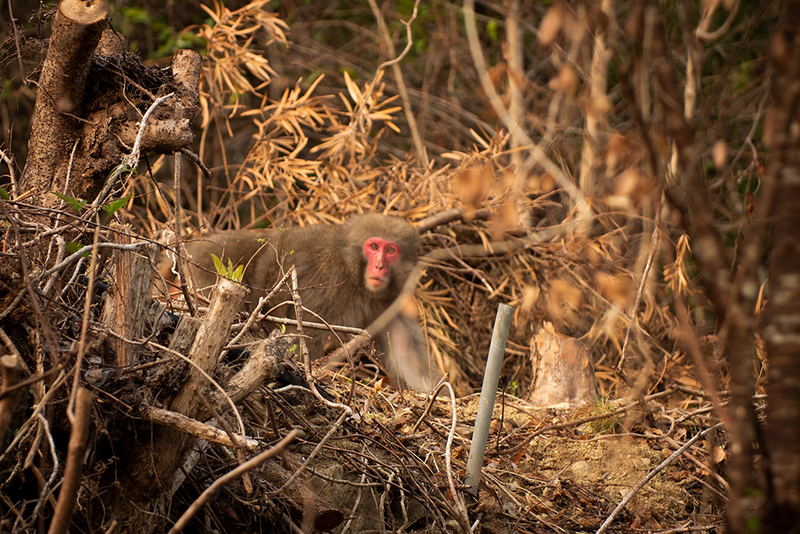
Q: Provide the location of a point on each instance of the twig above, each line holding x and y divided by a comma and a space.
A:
72, 473
37, 410
578, 422
84, 327
132, 160
11, 167
62, 249
422, 156
237, 445
16, 42
537, 155
47, 333
232, 475
448, 459
197, 161
298, 310
187, 297
65, 191
46, 492
187, 425
434, 395
334, 428
639, 485
262, 301
309, 324
207, 377
75, 256
687, 339
702, 32
635, 310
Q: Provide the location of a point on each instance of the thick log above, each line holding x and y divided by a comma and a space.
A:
263, 366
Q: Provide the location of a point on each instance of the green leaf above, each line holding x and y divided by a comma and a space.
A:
113, 207
136, 15
493, 30
76, 204
229, 271
237, 274
73, 247
4, 194
218, 265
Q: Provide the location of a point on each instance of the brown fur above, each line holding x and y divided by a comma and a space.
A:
330, 267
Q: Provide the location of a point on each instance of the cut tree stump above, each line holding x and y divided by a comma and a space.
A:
563, 370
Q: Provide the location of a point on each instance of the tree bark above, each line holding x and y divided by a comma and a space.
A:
782, 315
76, 31
82, 131
128, 298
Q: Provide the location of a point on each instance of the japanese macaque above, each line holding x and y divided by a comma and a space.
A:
347, 274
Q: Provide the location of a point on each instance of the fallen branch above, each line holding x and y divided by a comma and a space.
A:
225, 479
187, 425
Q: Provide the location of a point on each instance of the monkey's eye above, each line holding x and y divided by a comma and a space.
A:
374, 246
391, 250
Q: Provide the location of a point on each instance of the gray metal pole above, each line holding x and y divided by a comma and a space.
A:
488, 395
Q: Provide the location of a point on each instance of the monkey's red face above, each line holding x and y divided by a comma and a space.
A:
381, 254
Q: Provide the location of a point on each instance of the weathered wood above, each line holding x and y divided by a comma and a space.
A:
128, 298
183, 338
77, 28
186, 67
12, 372
227, 302
264, 365
150, 471
563, 371
193, 427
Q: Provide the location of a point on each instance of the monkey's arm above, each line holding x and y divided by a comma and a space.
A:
406, 355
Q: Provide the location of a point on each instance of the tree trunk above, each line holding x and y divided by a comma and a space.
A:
782, 317
76, 31
82, 130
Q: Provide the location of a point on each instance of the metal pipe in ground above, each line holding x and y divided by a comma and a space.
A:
488, 395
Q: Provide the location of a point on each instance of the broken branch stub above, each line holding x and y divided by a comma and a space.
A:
128, 299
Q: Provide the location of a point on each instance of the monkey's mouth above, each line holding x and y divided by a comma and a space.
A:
376, 282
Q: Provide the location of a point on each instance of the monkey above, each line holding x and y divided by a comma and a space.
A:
348, 274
